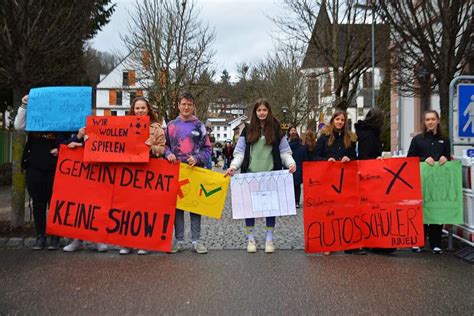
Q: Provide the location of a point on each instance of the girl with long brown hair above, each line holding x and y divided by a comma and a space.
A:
336, 142
261, 147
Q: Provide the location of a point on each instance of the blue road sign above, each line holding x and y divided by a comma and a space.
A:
470, 153
466, 110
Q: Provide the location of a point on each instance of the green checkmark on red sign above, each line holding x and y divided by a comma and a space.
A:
208, 194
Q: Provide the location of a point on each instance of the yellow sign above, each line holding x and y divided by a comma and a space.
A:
201, 191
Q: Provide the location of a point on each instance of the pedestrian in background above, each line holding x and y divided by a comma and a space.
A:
261, 147
310, 144
228, 153
431, 146
299, 155
187, 141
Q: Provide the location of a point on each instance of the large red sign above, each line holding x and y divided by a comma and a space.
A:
368, 203
117, 139
131, 205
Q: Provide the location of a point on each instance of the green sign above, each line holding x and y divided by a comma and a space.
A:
442, 193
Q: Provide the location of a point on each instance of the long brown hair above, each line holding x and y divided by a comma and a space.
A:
310, 140
438, 127
330, 129
151, 113
269, 126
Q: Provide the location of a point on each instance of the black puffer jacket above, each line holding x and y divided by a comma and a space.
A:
337, 150
368, 140
427, 145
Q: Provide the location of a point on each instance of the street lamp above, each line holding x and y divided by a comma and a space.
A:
371, 5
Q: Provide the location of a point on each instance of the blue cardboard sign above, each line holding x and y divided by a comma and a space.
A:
466, 110
58, 108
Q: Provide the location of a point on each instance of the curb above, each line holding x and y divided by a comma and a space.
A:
28, 242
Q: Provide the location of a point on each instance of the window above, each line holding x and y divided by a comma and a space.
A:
119, 98
113, 113
218, 128
133, 95
218, 135
225, 135
125, 78
225, 128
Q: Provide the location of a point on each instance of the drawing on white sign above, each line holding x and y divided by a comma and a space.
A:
470, 112
263, 194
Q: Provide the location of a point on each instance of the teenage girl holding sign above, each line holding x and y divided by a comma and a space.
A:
261, 147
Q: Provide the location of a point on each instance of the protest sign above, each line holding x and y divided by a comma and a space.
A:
442, 193
131, 205
58, 108
262, 194
117, 139
201, 191
367, 203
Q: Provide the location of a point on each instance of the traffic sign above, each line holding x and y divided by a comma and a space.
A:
466, 110
470, 153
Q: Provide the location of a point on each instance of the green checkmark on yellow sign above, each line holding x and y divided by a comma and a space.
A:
208, 194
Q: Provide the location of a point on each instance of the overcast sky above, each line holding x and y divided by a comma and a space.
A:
243, 30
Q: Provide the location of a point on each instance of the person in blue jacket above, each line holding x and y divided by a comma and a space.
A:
299, 155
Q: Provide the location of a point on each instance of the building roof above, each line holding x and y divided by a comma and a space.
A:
361, 41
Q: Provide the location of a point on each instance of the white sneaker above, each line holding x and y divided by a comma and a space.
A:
437, 250
269, 247
102, 247
251, 246
125, 251
76, 244
142, 252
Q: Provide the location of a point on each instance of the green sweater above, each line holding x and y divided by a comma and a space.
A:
260, 156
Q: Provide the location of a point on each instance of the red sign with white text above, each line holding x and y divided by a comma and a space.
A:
131, 205
368, 203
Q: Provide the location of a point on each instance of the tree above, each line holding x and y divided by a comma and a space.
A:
281, 81
172, 49
432, 40
338, 39
41, 43
97, 63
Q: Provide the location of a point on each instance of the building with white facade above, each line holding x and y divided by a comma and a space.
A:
223, 128
117, 89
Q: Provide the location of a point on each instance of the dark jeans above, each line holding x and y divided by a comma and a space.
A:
434, 232
250, 222
297, 193
40, 188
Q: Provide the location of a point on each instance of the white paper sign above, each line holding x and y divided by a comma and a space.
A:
263, 194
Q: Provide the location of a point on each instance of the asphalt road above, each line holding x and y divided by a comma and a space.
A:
233, 282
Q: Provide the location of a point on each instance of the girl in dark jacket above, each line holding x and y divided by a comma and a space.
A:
336, 142
299, 155
430, 146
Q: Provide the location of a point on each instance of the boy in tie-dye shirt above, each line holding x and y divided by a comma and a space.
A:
188, 142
